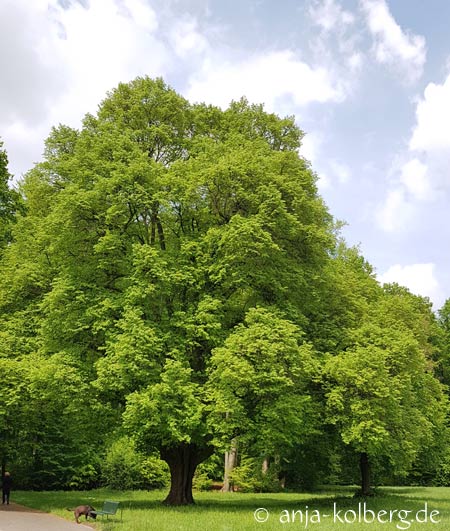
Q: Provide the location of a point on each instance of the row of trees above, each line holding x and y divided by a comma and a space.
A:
170, 274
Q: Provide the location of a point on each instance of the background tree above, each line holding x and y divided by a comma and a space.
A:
443, 358
259, 386
382, 391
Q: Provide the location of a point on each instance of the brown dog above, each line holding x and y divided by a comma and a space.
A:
85, 510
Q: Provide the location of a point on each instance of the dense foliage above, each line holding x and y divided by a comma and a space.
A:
176, 284
10, 201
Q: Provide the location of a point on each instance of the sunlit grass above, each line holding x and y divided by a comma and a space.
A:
143, 511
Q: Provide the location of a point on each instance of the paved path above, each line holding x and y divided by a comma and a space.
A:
15, 517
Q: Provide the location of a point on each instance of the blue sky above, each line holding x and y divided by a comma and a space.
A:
367, 80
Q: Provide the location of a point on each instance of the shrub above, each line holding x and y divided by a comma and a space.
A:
125, 468
155, 473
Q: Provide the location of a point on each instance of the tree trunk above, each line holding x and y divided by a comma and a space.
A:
230, 463
365, 473
265, 466
183, 461
162, 240
156, 224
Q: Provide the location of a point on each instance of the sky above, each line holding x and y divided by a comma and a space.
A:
368, 81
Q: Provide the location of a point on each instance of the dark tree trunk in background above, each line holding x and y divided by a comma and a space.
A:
182, 461
365, 473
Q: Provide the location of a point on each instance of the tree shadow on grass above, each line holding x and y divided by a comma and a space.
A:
241, 502
386, 500
429, 497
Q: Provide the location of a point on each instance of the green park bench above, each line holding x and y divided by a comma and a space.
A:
109, 509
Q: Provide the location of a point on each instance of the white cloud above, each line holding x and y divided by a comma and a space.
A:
105, 45
264, 78
423, 173
329, 173
311, 145
414, 176
328, 13
336, 44
323, 182
410, 186
396, 213
432, 131
340, 171
29, 78
186, 40
355, 61
310, 150
24, 143
393, 46
420, 279
141, 14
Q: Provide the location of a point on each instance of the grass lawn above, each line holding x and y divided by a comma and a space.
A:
324, 510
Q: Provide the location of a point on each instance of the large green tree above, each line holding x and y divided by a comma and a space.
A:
161, 237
